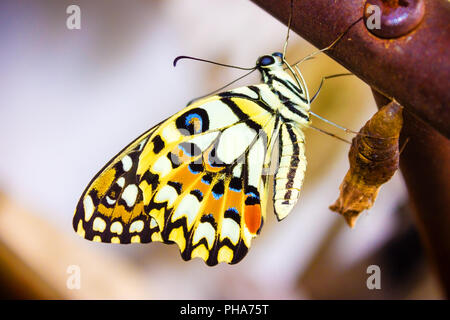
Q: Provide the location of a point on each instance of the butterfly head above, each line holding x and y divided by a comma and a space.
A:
270, 61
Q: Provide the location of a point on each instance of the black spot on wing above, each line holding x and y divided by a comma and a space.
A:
218, 189
158, 144
235, 184
233, 213
209, 218
176, 185
198, 194
196, 167
207, 178
151, 178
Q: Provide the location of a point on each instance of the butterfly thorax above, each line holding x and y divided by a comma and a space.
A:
293, 103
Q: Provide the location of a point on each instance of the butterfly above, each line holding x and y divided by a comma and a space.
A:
198, 178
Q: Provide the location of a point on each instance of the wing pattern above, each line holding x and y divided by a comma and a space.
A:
195, 179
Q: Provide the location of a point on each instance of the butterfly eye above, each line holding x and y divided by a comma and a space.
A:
278, 54
266, 61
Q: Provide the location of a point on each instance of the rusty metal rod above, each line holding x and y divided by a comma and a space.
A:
413, 68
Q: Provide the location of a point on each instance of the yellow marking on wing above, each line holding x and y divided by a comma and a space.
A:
157, 237
158, 215
104, 210
148, 157
200, 252
97, 239
225, 254
104, 181
121, 212
177, 236
80, 229
136, 239
146, 191
251, 108
115, 240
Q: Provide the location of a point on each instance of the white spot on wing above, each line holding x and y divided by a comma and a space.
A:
256, 159
116, 227
137, 226
89, 208
170, 134
230, 229
162, 166
204, 230
166, 193
129, 194
127, 163
220, 115
153, 223
204, 141
121, 182
237, 171
99, 224
234, 141
141, 145
188, 207
110, 201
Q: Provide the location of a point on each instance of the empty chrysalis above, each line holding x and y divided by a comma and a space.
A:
374, 158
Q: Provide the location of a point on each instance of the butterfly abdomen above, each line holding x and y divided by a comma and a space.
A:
291, 169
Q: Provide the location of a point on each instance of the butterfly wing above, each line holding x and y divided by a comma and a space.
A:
196, 179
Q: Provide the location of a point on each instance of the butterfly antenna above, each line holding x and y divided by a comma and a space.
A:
330, 46
221, 88
175, 61
326, 78
288, 30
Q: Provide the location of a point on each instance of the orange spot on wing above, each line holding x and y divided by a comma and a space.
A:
214, 206
185, 177
235, 200
252, 216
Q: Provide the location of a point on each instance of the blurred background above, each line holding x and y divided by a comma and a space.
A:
71, 99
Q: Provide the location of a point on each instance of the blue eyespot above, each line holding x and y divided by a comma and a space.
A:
192, 116
278, 54
267, 60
